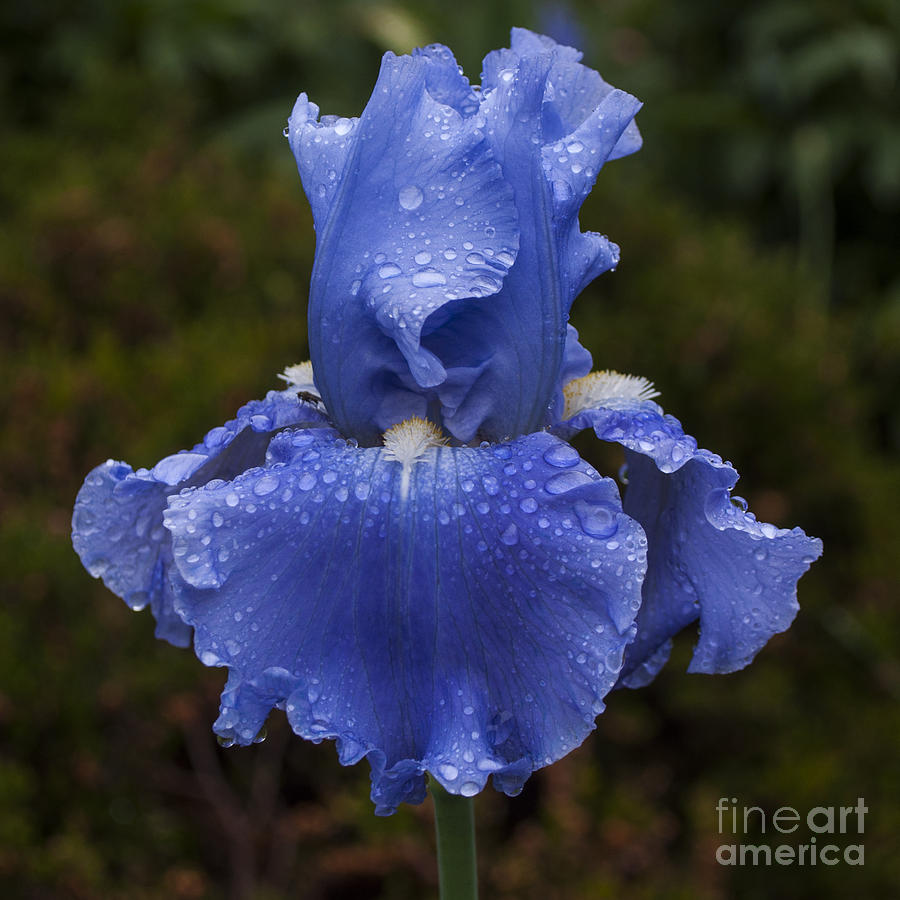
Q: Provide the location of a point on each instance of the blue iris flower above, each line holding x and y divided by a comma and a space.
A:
400, 549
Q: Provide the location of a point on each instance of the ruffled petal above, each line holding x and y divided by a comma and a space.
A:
443, 282
321, 149
708, 557
464, 613
418, 216
117, 525
551, 123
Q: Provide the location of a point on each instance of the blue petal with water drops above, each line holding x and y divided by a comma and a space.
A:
708, 557
412, 213
552, 124
117, 525
463, 614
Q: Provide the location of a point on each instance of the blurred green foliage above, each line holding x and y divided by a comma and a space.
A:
153, 268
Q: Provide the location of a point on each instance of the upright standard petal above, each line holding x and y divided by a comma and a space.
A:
552, 123
708, 557
412, 214
461, 611
117, 525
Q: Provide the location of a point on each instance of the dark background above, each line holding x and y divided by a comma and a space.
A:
154, 259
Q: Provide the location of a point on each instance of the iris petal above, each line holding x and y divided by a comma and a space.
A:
708, 558
413, 215
552, 123
117, 525
456, 305
468, 623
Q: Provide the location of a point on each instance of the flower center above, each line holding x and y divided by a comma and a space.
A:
605, 388
406, 443
300, 377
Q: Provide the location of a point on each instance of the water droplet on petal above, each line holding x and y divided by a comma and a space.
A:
510, 535
428, 278
566, 481
448, 771
491, 485
389, 270
597, 520
469, 789
411, 197
562, 456
265, 485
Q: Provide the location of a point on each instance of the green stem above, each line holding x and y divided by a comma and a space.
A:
454, 824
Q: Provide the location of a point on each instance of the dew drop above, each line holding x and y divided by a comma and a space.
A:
566, 481
411, 197
597, 520
491, 485
428, 278
469, 789
562, 456
389, 270
448, 771
423, 258
265, 485
510, 535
